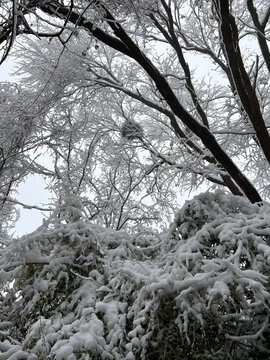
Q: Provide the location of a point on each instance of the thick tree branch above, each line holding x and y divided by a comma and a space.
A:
227, 181
242, 82
10, 34
173, 40
260, 32
55, 9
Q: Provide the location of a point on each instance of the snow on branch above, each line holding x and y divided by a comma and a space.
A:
105, 293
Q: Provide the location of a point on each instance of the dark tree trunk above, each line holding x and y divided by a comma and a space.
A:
241, 80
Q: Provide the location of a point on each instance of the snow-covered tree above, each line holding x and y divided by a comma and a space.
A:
74, 290
143, 49
109, 91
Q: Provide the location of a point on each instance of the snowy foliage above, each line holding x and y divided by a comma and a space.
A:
74, 290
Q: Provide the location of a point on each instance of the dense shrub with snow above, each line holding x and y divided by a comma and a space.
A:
74, 290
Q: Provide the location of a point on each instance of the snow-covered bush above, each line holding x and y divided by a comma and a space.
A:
74, 290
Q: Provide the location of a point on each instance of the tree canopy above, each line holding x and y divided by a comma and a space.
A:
134, 57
